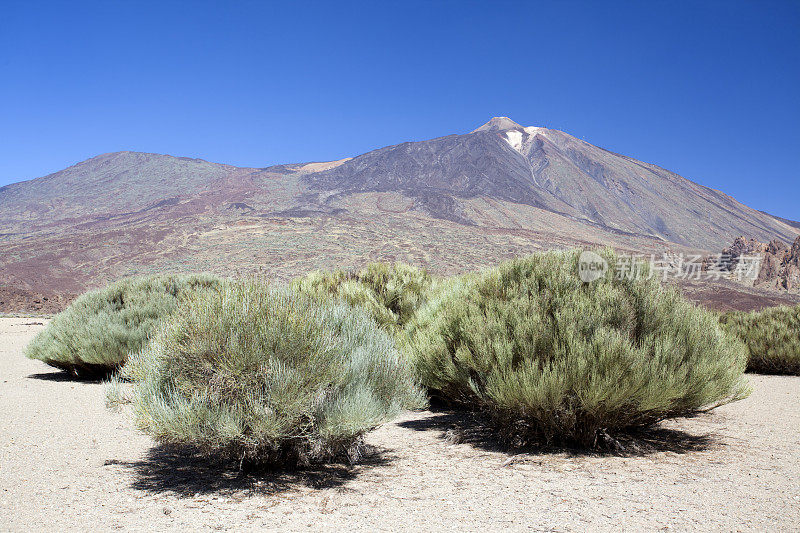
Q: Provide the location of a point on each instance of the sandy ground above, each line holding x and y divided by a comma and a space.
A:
67, 463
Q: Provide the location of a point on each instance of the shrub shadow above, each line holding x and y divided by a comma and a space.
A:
167, 469
465, 427
63, 376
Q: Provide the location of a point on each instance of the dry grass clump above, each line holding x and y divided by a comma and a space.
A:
554, 360
772, 337
95, 334
265, 376
390, 293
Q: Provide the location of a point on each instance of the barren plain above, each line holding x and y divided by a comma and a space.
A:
67, 463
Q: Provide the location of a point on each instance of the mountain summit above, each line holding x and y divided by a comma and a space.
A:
498, 124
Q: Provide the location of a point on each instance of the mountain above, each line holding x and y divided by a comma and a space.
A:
452, 203
113, 184
554, 171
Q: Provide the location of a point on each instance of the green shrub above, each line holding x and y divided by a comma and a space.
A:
265, 376
772, 337
95, 334
551, 359
391, 294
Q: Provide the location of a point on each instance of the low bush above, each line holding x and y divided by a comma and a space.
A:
267, 376
553, 360
390, 293
772, 337
95, 334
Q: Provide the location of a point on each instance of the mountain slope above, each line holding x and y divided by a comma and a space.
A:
112, 183
553, 170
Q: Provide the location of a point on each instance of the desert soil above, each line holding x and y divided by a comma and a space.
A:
68, 463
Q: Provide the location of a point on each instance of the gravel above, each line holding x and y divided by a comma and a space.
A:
67, 463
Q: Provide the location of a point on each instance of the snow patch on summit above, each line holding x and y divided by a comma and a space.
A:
533, 130
514, 138
519, 139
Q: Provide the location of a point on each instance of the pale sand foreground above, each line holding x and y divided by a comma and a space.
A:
67, 463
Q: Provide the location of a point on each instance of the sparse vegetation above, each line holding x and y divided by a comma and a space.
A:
390, 293
266, 376
95, 334
772, 337
551, 359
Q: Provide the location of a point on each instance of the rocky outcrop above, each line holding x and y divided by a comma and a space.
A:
780, 263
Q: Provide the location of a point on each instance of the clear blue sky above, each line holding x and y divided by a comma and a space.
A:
710, 90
